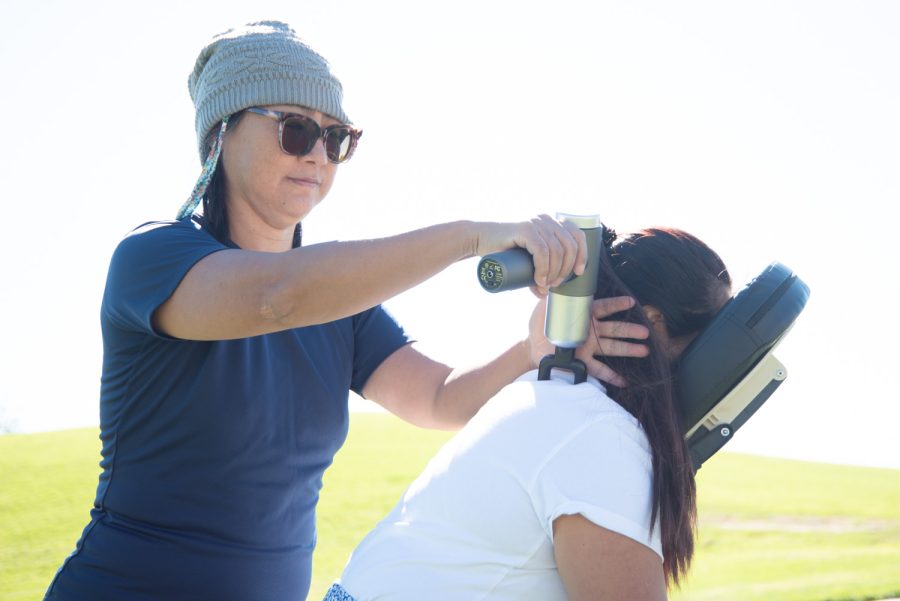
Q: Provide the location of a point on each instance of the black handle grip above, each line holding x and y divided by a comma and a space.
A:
506, 270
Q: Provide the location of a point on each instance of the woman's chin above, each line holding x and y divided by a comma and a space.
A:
298, 209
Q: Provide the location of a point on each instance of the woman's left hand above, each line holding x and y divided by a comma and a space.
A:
606, 338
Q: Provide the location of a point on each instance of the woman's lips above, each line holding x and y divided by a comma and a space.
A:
304, 181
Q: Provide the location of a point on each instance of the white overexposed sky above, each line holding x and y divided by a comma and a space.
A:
770, 129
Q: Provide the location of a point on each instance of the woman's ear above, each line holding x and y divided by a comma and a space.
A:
658, 321
673, 346
655, 317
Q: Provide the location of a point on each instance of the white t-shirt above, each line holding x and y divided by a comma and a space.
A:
477, 524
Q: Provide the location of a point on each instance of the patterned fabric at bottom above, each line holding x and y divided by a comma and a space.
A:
337, 593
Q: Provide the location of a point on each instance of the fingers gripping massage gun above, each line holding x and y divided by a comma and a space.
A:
567, 323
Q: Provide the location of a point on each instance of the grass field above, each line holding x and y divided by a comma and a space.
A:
769, 529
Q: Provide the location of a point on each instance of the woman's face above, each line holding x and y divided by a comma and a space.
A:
266, 187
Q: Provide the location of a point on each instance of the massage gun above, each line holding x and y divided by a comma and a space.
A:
568, 319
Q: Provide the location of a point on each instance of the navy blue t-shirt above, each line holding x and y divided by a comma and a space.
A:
213, 452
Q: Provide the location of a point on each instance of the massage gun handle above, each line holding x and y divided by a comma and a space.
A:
506, 270
514, 268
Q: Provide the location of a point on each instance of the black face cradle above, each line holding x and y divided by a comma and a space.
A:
729, 370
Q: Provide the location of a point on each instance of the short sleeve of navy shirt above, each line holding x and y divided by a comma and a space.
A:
213, 452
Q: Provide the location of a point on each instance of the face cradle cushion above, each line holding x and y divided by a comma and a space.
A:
729, 370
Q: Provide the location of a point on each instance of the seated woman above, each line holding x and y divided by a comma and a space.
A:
561, 491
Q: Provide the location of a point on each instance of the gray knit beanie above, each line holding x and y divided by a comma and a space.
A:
260, 63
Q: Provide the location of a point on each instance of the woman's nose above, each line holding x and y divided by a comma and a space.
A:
317, 154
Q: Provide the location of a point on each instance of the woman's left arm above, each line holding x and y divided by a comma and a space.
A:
429, 394
595, 563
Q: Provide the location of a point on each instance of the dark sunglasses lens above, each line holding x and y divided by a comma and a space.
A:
338, 144
298, 136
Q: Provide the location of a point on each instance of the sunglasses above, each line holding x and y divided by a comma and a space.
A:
298, 134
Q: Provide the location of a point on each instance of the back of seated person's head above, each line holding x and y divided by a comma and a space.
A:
679, 281
679, 284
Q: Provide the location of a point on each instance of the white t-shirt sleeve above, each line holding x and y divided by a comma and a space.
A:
604, 472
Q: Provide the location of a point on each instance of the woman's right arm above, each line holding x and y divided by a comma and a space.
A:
239, 293
595, 563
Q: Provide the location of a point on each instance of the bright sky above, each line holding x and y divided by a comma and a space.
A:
770, 129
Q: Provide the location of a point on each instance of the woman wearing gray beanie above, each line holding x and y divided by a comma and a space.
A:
229, 348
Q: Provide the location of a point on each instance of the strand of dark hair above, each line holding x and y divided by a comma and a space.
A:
650, 395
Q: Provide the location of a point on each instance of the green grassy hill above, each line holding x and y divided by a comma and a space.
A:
769, 529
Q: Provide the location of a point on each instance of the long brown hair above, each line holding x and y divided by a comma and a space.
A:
684, 279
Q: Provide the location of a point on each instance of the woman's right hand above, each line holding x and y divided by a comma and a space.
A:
557, 248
